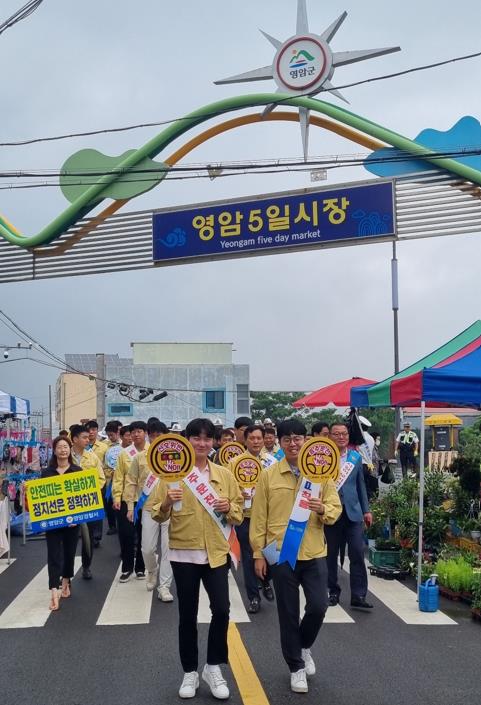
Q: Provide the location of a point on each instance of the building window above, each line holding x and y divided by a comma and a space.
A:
214, 400
243, 406
121, 409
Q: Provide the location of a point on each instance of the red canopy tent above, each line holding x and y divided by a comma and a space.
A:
338, 394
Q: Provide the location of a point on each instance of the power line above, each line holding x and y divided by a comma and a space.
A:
276, 102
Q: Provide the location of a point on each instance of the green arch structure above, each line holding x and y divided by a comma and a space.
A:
94, 195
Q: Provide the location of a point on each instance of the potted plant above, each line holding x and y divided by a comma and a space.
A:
407, 525
475, 530
476, 603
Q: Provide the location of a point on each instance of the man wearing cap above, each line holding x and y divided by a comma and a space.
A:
407, 446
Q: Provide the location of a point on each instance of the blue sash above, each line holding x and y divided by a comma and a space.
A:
298, 522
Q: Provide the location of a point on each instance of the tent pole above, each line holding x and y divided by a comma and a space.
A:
421, 493
395, 310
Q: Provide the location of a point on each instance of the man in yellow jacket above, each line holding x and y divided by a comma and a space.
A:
199, 552
254, 441
134, 484
130, 535
273, 503
87, 460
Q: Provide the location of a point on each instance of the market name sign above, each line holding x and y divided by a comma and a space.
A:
296, 220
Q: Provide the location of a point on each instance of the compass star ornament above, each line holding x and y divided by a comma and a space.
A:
305, 63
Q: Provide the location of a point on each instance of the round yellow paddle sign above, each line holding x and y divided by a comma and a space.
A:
229, 451
319, 460
170, 457
247, 471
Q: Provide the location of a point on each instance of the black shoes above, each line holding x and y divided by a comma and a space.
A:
333, 599
360, 603
86, 574
96, 543
268, 592
111, 531
125, 577
254, 605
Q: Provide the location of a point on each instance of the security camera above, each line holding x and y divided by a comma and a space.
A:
5, 354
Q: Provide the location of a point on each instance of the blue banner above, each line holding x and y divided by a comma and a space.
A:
294, 220
71, 520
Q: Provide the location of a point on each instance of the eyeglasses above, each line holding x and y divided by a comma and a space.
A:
287, 440
340, 434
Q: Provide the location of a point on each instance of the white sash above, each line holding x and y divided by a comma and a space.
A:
151, 482
206, 495
346, 468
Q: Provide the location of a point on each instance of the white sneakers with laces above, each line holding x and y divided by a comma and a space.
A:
309, 665
189, 685
212, 675
165, 595
299, 681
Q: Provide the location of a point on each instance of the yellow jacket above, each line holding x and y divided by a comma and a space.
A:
99, 448
134, 482
89, 460
193, 527
121, 469
273, 501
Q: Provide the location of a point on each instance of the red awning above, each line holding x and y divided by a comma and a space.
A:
338, 394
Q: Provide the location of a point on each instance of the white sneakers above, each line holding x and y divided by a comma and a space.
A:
165, 595
212, 675
299, 681
189, 685
151, 580
309, 665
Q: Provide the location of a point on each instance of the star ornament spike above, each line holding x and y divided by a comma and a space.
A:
305, 63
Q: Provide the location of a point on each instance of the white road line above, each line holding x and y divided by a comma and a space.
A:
334, 615
30, 607
403, 602
126, 603
4, 564
238, 612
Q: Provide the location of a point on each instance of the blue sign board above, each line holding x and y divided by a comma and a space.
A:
279, 222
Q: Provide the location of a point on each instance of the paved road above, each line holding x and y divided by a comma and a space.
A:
109, 647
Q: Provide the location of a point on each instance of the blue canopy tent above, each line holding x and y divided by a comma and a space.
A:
451, 375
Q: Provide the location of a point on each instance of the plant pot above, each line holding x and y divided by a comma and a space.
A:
476, 613
476, 535
406, 543
371, 543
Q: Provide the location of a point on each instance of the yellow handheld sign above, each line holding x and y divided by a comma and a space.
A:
170, 457
247, 471
319, 460
229, 451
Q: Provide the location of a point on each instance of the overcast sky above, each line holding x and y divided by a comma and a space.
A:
299, 320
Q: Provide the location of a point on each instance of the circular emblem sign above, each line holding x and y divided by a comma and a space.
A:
170, 457
247, 471
301, 63
229, 451
319, 460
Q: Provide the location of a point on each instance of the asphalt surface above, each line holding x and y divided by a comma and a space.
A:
378, 660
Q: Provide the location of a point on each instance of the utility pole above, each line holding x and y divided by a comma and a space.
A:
100, 387
50, 411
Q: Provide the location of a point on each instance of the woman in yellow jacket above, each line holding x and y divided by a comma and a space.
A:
198, 551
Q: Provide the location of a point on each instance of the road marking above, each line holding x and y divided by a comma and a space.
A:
250, 688
237, 610
403, 602
4, 564
126, 603
334, 615
30, 607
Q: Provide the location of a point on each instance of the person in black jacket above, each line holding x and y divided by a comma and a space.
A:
61, 543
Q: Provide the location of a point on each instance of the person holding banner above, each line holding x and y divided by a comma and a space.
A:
350, 526
287, 527
140, 492
254, 441
61, 543
201, 536
87, 460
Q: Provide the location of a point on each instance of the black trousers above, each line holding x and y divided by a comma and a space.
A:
61, 548
110, 512
87, 535
312, 576
188, 577
408, 462
352, 533
250, 578
130, 538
